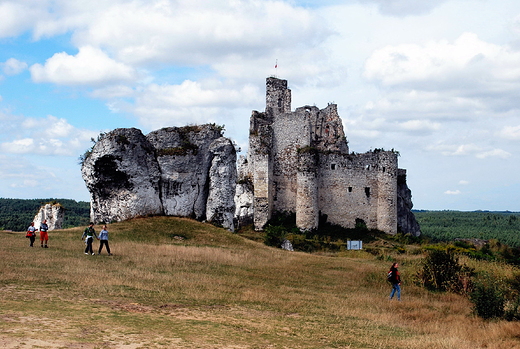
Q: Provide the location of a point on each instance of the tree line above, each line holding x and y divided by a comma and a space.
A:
17, 214
442, 226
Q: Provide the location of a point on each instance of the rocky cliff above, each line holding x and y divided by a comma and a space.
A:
179, 171
406, 222
54, 214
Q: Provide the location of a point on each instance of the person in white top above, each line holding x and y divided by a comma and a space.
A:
31, 234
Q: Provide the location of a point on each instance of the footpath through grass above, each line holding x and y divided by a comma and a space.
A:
177, 283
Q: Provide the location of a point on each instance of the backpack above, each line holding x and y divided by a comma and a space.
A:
390, 276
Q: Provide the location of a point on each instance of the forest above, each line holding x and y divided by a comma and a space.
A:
437, 226
440, 226
17, 214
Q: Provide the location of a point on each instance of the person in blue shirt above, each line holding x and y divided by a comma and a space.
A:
103, 240
44, 235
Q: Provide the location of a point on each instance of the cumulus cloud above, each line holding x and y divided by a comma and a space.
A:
469, 149
90, 66
199, 31
420, 125
185, 32
452, 192
13, 66
510, 132
19, 16
192, 102
495, 153
46, 136
468, 70
443, 63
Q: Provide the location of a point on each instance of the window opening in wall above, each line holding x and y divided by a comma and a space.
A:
350, 189
384, 169
332, 166
367, 192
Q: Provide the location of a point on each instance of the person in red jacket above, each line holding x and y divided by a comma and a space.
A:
395, 279
44, 235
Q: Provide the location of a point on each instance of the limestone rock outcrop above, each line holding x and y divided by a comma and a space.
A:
406, 221
222, 181
54, 214
122, 176
171, 171
244, 194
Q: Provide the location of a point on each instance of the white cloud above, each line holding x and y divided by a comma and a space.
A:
468, 68
463, 182
191, 102
510, 132
452, 192
202, 93
19, 16
420, 125
469, 150
434, 61
13, 66
498, 153
49, 127
91, 66
199, 31
48, 136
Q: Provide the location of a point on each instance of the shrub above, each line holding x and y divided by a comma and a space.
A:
441, 271
274, 235
488, 298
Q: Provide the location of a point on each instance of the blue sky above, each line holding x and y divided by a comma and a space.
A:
436, 80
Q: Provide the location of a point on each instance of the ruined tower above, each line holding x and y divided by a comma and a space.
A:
299, 162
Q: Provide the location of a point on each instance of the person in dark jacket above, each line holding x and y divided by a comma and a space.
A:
395, 280
89, 234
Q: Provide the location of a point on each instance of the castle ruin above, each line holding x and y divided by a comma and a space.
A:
299, 161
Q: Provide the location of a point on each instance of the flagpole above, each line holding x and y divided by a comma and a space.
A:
276, 69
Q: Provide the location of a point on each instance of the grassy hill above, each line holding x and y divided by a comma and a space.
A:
178, 283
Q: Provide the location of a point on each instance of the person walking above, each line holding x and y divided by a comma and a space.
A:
31, 234
89, 235
103, 240
44, 235
395, 279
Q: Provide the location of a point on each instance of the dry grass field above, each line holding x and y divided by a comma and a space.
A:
177, 283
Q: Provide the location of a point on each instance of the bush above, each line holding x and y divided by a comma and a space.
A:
488, 298
274, 235
442, 272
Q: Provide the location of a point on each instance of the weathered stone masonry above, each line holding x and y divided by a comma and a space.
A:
299, 161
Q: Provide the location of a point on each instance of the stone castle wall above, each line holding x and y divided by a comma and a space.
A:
359, 186
299, 161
